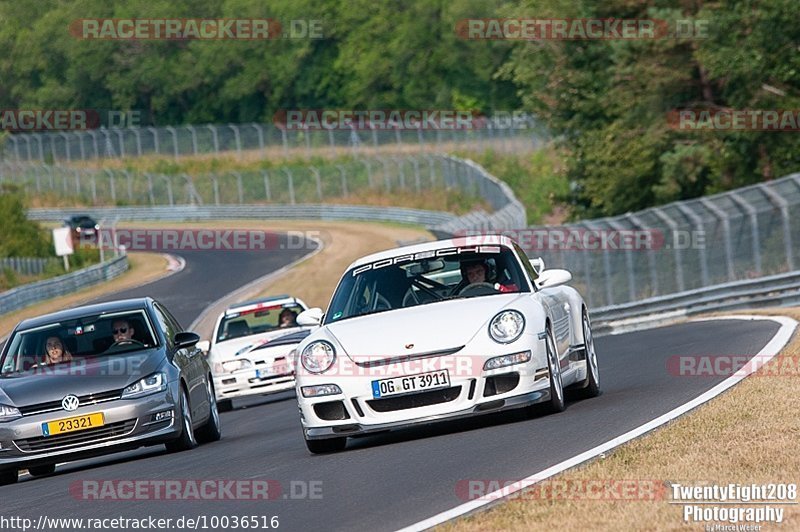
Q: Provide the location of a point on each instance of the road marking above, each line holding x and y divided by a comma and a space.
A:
773, 347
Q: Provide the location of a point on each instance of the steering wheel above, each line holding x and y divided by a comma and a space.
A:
478, 289
381, 303
120, 343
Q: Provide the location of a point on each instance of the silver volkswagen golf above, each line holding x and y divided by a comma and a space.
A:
100, 379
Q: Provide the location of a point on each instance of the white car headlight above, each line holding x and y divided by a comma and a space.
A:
9, 413
157, 382
318, 356
229, 366
507, 326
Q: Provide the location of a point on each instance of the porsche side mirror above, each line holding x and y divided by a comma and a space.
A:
538, 265
554, 277
312, 316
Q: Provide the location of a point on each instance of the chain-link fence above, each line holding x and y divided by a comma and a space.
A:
281, 185
743, 234
262, 140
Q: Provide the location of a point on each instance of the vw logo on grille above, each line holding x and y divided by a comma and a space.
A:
70, 403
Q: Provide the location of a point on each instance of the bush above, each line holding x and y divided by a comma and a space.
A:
20, 237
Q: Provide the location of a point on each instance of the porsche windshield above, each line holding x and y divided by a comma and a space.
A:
430, 277
45, 348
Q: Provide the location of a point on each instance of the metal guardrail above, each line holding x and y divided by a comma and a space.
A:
770, 291
25, 295
27, 265
188, 213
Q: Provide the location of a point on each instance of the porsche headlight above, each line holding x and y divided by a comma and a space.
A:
156, 382
318, 356
229, 366
507, 326
8, 413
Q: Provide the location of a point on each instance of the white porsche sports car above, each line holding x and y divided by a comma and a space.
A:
248, 352
441, 330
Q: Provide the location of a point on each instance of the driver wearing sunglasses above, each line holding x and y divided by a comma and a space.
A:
122, 331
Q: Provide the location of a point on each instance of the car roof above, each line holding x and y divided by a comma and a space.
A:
464, 241
272, 300
98, 308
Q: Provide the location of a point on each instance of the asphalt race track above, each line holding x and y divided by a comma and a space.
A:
387, 481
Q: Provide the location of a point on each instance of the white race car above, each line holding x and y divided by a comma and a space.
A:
441, 330
248, 352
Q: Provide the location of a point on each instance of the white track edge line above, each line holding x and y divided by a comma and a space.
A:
770, 350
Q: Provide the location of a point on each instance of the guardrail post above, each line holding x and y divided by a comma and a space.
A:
193, 133
780, 202
291, 185
121, 137
369, 172
174, 140
66, 146
726, 229
112, 185
169, 189
697, 221
753, 215
592, 226
344, 179
332, 142
239, 187
673, 226
214, 137
318, 179
651, 253
138, 140
260, 133
150, 189
417, 178
154, 131
267, 192
237, 139
215, 186
285, 141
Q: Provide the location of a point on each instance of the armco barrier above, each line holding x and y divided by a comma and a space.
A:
23, 296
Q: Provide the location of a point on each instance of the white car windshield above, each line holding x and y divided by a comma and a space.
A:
407, 281
257, 320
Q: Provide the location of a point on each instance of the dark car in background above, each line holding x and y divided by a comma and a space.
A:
83, 227
126, 375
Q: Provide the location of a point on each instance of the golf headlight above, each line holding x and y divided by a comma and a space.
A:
157, 382
230, 366
507, 326
318, 356
8, 413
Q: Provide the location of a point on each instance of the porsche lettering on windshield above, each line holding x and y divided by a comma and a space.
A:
444, 252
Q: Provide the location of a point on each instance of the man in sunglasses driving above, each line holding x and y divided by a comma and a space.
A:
122, 331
